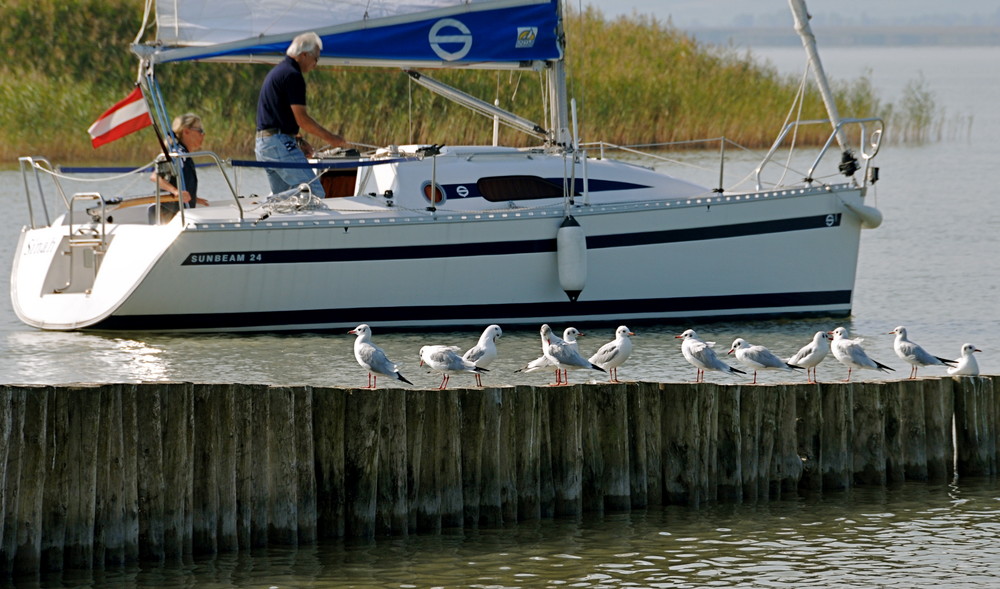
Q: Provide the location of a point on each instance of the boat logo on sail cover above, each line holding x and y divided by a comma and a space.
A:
526, 37
443, 33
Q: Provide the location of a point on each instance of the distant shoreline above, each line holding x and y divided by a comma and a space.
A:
853, 36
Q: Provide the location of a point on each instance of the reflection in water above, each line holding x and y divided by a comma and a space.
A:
914, 535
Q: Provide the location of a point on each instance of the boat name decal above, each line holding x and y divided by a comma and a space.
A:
226, 258
38, 247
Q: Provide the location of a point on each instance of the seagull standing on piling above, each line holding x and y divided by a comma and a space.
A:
914, 354
372, 358
569, 337
699, 354
445, 359
967, 365
563, 355
851, 354
614, 353
485, 352
758, 358
811, 354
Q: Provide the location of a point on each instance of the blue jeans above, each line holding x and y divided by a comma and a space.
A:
282, 148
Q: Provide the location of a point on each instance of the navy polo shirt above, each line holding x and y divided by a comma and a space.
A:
283, 87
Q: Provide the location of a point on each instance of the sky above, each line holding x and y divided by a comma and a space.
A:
740, 13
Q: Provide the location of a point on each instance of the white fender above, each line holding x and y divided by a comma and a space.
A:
571, 254
870, 216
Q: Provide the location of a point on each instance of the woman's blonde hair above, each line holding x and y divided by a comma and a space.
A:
185, 121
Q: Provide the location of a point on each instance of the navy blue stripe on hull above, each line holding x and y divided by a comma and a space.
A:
475, 315
506, 248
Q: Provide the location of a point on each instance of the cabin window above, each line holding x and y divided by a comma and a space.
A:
504, 188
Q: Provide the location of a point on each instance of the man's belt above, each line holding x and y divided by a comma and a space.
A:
268, 132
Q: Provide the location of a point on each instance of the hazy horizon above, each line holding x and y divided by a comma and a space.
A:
697, 14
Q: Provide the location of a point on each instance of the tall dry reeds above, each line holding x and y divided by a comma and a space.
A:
635, 79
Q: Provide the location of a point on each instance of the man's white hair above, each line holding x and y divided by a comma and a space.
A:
304, 43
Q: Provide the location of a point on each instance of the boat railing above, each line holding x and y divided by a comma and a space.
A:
218, 163
869, 140
32, 167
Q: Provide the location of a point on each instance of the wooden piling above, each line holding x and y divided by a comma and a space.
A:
868, 443
103, 475
566, 443
973, 438
391, 507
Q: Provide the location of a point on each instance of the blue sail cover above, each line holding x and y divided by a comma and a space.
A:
482, 33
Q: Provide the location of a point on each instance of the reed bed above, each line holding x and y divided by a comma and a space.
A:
636, 80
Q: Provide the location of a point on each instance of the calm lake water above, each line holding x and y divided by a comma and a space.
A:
931, 266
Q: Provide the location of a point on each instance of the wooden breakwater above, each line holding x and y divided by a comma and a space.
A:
103, 475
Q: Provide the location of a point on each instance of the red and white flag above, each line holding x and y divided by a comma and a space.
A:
127, 116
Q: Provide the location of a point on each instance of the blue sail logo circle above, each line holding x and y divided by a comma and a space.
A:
441, 34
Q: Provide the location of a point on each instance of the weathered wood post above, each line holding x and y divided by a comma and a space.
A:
328, 441
115, 516
450, 459
690, 424
490, 512
527, 451
809, 432
786, 465
868, 441
973, 410
751, 448
649, 392
25, 524
939, 411
638, 425
150, 471
416, 423
611, 408
362, 415
283, 499
565, 407
836, 433
178, 467
769, 401
206, 468
8, 478
892, 399
730, 445
392, 507
305, 461
913, 428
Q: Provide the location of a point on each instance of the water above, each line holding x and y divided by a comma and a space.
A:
931, 266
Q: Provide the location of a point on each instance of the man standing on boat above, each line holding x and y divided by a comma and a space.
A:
282, 112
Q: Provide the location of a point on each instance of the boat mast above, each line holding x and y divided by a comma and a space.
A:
558, 97
802, 27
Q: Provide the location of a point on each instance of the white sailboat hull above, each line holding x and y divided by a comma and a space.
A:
721, 256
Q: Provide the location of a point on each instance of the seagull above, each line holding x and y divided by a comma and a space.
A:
700, 354
563, 355
614, 353
445, 359
372, 358
914, 354
485, 352
851, 354
967, 365
569, 336
811, 354
758, 358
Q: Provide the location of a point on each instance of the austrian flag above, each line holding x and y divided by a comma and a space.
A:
128, 116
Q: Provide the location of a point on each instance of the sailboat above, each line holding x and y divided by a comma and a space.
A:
426, 236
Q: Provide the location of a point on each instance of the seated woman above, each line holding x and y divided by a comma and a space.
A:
190, 134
